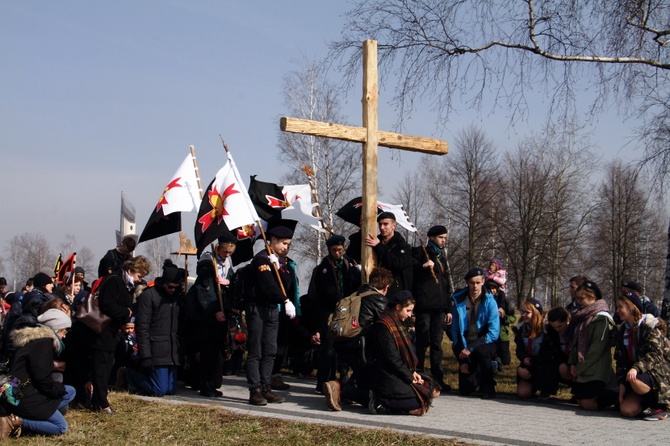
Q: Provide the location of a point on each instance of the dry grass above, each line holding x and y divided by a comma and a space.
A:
140, 422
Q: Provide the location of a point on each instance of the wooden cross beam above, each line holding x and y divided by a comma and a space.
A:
371, 138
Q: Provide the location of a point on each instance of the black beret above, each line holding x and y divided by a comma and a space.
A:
591, 285
384, 215
634, 299
399, 298
474, 272
536, 303
280, 232
437, 230
335, 240
633, 286
227, 237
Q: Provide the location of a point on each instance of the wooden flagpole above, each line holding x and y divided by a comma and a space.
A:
258, 222
202, 195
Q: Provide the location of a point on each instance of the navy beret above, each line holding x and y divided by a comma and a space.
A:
474, 272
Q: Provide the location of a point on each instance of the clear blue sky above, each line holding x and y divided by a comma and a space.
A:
99, 97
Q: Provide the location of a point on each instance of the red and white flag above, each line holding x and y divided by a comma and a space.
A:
225, 206
182, 193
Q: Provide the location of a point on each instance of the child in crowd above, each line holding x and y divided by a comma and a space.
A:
126, 348
497, 273
642, 353
529, 335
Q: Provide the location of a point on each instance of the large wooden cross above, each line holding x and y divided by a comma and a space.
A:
371, 137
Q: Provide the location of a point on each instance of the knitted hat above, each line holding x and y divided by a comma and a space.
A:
497, 262
634, 299
437, 230
170, 272
335, 240
41, 280
492, 284
474, 272
56, 319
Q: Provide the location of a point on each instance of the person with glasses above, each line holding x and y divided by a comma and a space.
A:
156, 324
642, 353
95, 352
528, 336
591, 354
474, 329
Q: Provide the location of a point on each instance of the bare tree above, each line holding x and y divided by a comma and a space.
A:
411, 194
156, 251
336, 164
30, 252
467, 51
621, 227
472, 171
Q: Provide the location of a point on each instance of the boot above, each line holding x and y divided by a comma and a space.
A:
10, 426
277, 383
270, 397
256, 397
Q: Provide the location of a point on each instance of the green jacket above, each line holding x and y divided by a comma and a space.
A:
597, 365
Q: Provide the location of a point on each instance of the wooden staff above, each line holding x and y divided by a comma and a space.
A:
202, 195
425, 251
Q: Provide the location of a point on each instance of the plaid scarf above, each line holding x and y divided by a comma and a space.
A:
407, 352
401, 337
581, 320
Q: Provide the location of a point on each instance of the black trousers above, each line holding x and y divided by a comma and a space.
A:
102, 363
429, 333
481, 371
263, 326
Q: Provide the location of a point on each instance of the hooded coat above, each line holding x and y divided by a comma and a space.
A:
652, 356
33, 364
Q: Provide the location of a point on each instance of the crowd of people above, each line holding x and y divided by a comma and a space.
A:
162, 331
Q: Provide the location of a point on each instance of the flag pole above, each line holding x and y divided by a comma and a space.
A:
432, 271
315, 197
216, 267
253, 212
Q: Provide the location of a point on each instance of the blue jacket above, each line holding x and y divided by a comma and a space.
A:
488, 322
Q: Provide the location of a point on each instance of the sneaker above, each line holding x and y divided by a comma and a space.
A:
331, 389
272, 398
497, 366
375, 407
655, 415
277, 383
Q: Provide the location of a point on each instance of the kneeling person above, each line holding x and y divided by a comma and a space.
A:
475, 328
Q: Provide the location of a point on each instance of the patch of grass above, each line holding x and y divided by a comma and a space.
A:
146, 423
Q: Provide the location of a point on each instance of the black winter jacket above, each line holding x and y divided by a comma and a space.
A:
431, 295
156, 326
396, 256
33, 360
